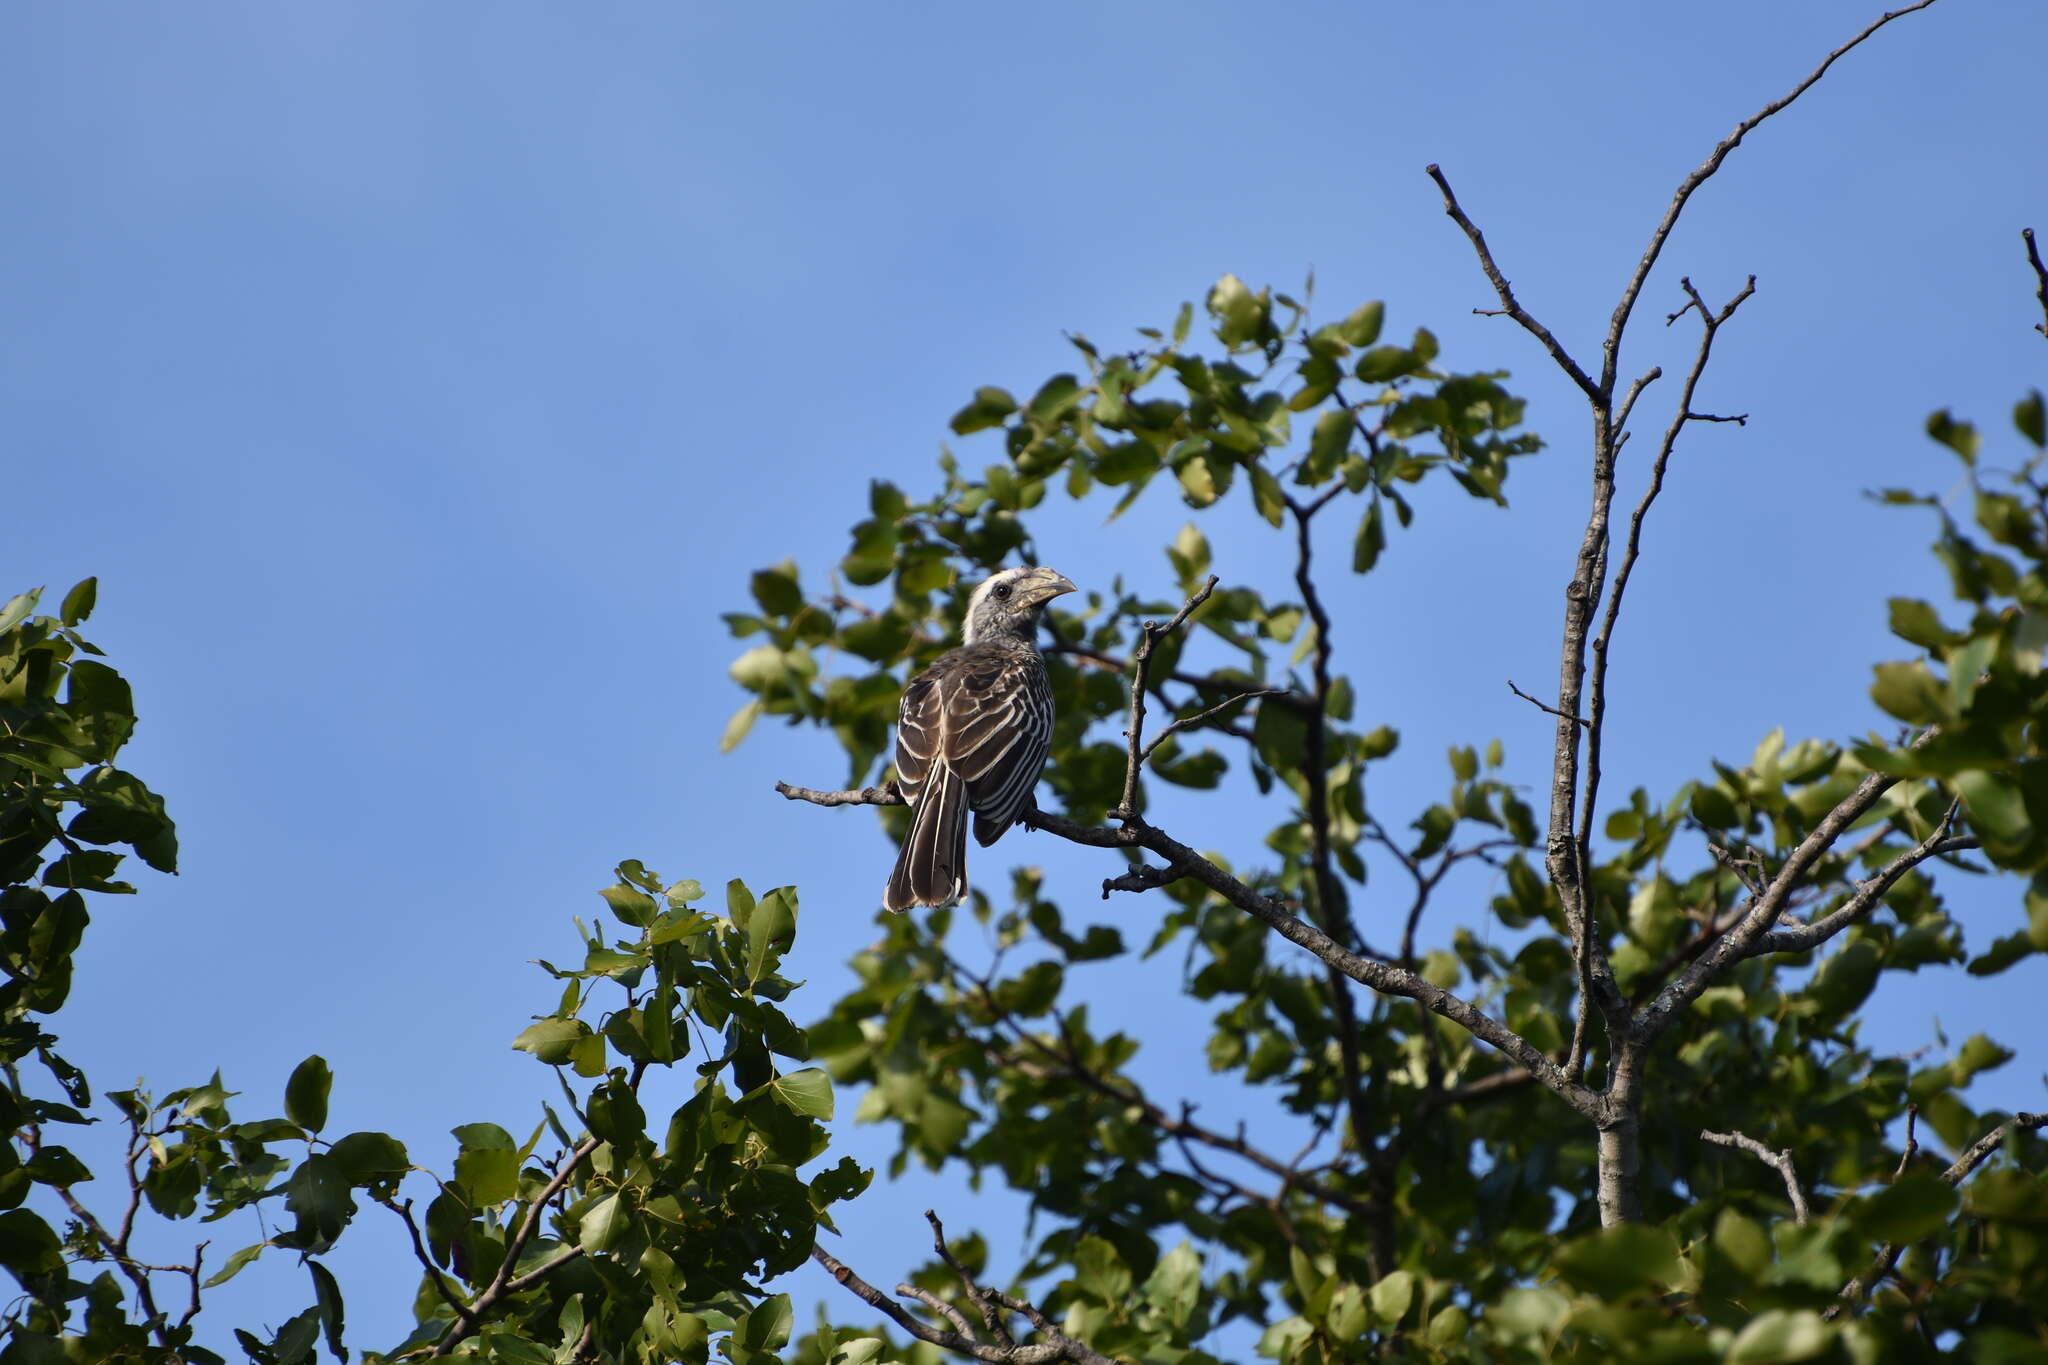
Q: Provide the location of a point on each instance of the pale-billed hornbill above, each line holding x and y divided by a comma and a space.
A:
972, 735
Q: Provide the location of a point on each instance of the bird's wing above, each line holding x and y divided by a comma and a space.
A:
997, 713
920, 728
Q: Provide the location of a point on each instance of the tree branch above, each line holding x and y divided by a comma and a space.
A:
1058, 1345
1331, 910
2040, 277
1067, 1059
1509, 305
1779, 1161
1973, 1156
1150, 633
1611, 348
1866, 895
1735, 945
977, 1295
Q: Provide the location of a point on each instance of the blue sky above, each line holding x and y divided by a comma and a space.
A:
421, 381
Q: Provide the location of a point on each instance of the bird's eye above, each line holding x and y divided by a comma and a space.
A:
1003, 592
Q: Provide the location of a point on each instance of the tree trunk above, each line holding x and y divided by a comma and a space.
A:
1621, 1142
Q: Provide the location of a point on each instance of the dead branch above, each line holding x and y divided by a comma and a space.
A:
1778, 1161
1973, 1156
1057, 1346
2040, 276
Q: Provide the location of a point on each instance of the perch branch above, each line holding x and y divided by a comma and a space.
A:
1778, 1161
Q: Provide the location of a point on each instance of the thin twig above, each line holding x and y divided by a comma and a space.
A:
866, 796
1543, 706
1778, 1161
975, 1293
1058, 1345
1912, 1141
1509, 304
1150, 633
1190, 722
1618, 324
419, 1251
1330, 907
2040, 276
1974, 1156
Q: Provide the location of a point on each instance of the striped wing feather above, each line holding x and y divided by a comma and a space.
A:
972, 734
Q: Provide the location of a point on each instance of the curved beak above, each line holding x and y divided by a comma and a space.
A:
1042, 585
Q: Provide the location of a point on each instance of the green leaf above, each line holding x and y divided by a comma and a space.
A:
766, 1327
305, 1094
1267, 497
770, 930
1055, 399
989, 408
327, 1298
632, 905
1362, 327
1995, 807
27, 1244
1780, 1335
1384, 363
1240, 314
1619, 1260
234, 1265
2028, 416
368, 1158
777, 590
736, 728
1916, 622
79, 602
600, 1224
56, 1167
18, 607
1328, 442
1960, 437
551, 1040
1175, 1285
1910, 692
1371, 540
1908, 1209
807, 1092
1391, 1298
488, 1175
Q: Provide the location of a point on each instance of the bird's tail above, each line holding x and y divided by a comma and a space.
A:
931, 867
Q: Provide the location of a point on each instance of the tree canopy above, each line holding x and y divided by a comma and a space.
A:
1631, 1116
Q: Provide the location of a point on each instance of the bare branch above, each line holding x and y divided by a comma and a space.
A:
1191, 722
1973, 1156
1150, 633
419, 1251
1067, 1060
1705, 171
1591, 964
1209, 682
2040, 276
1912, 1140
1866, 895
1735, 945
866, 796
1331, 911
1509, 305
1779, 1161
979, 1296
939, 1306
1057, 1346
1543, 707
1977, 1152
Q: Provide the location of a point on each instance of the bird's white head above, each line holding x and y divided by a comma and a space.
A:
1010, 603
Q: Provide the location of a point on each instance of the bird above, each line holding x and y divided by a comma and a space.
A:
972, 734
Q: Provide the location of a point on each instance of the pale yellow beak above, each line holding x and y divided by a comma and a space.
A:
1042, 585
